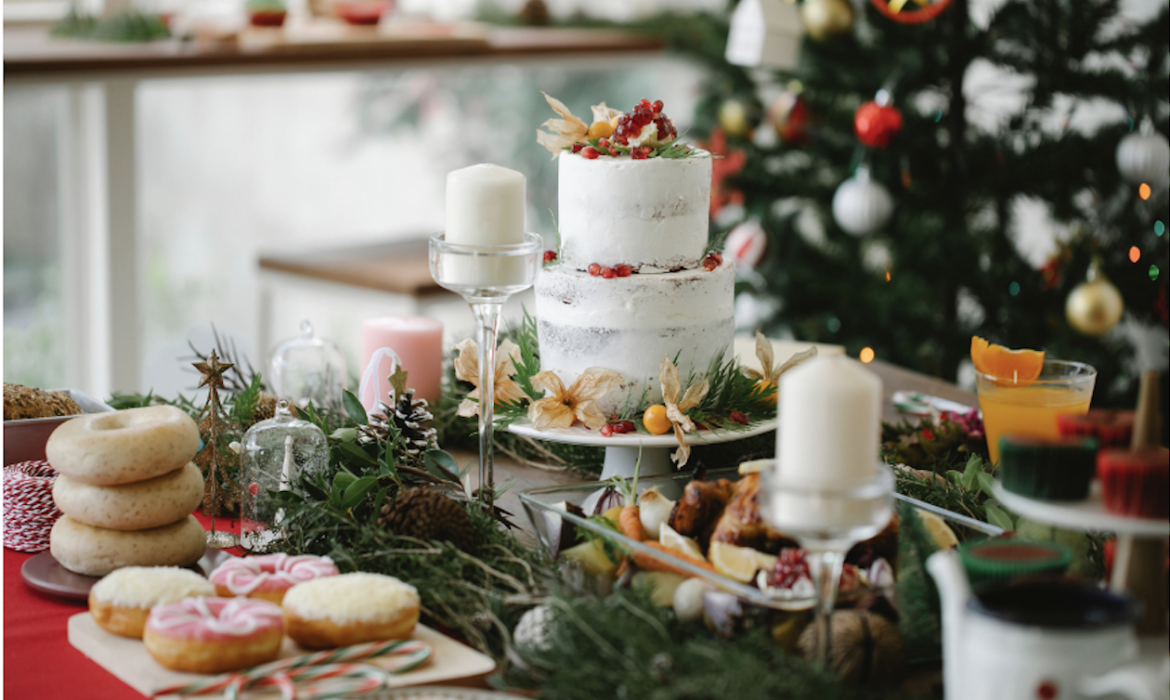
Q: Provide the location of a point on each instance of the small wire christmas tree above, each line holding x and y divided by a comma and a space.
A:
220, 491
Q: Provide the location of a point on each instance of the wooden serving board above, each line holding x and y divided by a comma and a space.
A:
453, 663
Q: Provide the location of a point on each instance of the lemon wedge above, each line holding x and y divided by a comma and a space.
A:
736, 563
943, 535
670, 539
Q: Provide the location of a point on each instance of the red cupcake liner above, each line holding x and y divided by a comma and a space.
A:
29, 509
1136, 483
1111, 428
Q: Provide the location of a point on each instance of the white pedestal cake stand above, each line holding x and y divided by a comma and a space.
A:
621, 449
1090, 515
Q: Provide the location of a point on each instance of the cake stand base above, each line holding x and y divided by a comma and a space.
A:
622, 450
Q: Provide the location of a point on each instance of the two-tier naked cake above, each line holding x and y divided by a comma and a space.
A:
633, 281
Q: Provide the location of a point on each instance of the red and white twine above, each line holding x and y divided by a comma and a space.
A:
29, 510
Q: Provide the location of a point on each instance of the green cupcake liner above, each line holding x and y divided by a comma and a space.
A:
1050, 470
1002, 559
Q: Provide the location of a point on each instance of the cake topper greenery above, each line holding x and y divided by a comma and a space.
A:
643, 132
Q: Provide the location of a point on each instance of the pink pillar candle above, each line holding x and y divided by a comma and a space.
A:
418, 342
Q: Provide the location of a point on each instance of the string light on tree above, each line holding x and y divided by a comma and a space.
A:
866, 355
862, 205
1095, 306
1143, 158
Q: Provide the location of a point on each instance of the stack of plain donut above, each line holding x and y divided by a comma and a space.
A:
127, 488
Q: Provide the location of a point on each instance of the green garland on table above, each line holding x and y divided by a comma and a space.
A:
623, 646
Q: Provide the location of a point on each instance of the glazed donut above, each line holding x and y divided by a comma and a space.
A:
121, 601
213, 635
144, 504
107, 449
96, 551
337, 611
268, 576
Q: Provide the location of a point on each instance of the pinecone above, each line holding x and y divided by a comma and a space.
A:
411, 417
426, 514
265, 408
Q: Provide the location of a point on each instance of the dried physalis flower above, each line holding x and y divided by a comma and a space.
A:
676, 409
564, 406
506, 389
770, 377
564, 133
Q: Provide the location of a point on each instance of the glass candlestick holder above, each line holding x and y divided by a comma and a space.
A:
274, 454
485, 276
827, 520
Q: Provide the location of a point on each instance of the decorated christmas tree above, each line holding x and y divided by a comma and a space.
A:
870, 188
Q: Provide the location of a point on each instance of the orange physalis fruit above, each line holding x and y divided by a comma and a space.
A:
1010, 367
600, 129
655, 420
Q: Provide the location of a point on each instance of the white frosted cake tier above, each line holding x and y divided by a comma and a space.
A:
650, 214
628, 324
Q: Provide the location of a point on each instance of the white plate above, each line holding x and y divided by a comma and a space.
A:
580, 435
1088, 515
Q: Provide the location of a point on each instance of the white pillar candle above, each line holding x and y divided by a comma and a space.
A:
830, 424
485, 207
830, 427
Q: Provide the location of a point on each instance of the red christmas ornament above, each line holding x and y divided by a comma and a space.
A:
876, 125
789, 116
896, 11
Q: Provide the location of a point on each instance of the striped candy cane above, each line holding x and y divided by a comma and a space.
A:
408, 655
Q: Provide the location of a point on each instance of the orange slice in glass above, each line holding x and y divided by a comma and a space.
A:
1010, 367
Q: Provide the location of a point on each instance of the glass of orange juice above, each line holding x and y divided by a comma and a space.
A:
1030, 408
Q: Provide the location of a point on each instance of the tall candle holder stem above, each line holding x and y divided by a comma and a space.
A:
487, 316
825, 568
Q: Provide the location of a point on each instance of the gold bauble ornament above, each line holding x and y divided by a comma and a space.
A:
826, 18
733, 118
1095, 306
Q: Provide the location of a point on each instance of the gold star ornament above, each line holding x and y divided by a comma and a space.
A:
212, 370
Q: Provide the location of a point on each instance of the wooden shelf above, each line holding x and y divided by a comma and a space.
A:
30, 53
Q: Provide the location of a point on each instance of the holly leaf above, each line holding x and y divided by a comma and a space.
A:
996, 516
356, 453
356, 491
354, 408
985, 481
442, 465
955, 476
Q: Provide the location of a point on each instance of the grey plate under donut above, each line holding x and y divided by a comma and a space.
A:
45, 574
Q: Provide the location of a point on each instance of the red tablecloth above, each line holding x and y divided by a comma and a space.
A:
39, 662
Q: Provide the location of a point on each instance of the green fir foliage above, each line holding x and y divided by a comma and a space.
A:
637, 650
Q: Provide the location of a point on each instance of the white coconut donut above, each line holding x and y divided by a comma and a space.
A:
155, 502
96, 551
121, 447
121, 601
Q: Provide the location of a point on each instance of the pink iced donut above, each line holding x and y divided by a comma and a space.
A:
213, 635
268, 576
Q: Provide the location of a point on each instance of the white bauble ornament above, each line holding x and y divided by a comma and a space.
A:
1095, 306
532, 629
861, 205
746, 244
1144, 157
